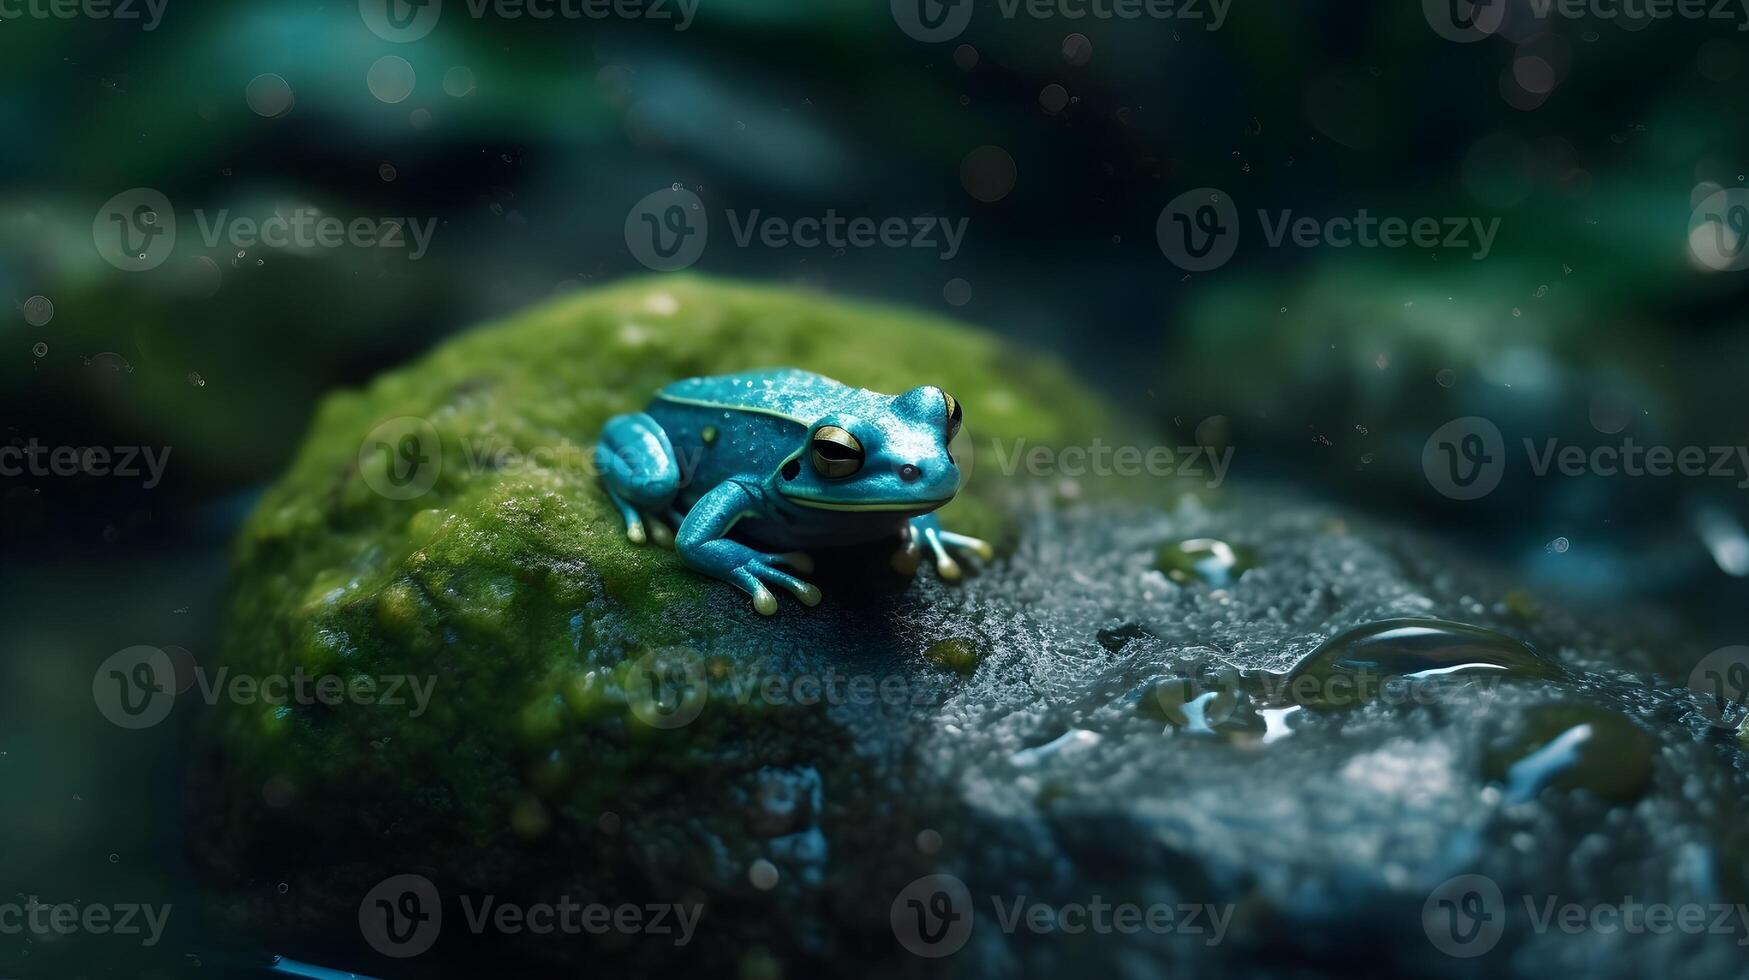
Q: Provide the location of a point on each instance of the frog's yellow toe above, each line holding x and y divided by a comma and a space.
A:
635, 533
766, 603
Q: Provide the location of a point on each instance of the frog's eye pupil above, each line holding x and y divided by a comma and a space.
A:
836, 453
955, 415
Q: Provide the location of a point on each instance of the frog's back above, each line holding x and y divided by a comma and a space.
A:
789, 393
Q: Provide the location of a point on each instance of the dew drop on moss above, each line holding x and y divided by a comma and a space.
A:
1210, 561
958, 655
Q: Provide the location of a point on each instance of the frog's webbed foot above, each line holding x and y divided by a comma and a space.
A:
753, 576
925, 532
702, 545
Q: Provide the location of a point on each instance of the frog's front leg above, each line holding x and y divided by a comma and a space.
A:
640, 473
925, 531
703, 544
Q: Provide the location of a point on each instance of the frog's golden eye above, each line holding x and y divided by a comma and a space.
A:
835, 452
954, 416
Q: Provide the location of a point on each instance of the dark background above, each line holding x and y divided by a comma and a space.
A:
1589, 320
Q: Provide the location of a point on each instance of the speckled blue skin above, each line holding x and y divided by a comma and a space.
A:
731, 455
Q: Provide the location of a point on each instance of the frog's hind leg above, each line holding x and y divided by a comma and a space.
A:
640, 474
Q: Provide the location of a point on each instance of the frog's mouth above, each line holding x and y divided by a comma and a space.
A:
921, 506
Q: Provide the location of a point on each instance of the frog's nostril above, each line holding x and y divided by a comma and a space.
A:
909, 473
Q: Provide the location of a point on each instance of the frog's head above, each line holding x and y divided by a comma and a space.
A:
897, 461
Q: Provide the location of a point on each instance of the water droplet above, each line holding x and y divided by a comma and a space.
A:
1348, 668
269, 96
1077, 49
988, 173
1571, 747
40, 349
957, 292
387, 172
1208, 560
928, 841
1053, 98
763, 875
459, 81
1558, 546
38, 311
965, 57
390, 79
196, 380
1446, 377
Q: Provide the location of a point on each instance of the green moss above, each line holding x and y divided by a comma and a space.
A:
959, 655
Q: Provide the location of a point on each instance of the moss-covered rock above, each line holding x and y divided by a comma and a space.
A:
445, 525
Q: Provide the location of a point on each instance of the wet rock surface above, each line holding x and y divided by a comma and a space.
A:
895, 780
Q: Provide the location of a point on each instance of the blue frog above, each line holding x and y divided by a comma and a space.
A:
743, 473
